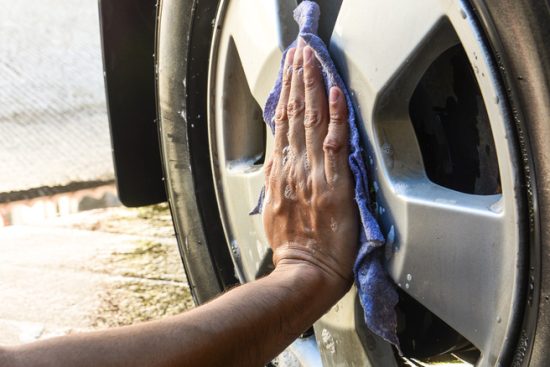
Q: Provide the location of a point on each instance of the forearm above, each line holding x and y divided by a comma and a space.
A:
245, 327
255, 322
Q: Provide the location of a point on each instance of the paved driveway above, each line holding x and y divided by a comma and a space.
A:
53, 122
92, 270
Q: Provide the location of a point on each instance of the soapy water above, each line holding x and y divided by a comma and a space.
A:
328, 341
286, 155
390, 237
306, 163
333, 224
290, 194
235, 249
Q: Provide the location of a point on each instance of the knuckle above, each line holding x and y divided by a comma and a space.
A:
332, 144
337, 116
312, 117
277, 206
280, 115
295, 107
287, 78
310, 80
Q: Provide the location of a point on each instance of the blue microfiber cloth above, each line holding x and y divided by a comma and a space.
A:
376, 292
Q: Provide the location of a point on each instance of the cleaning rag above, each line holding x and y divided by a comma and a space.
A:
376, 292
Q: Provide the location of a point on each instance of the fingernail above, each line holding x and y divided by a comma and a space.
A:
334, 95
308, 53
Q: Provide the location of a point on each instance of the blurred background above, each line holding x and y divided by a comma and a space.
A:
71, 258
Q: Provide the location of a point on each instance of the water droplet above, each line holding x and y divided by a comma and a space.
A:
387, 149
498, 206
407, 285
235, 249
376, 186
333, 225
463, 14
497, 100
409, 277
401, 187
289, 193
306, 163
499, 319
390, 238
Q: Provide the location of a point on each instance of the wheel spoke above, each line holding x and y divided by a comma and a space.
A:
455, 253
373, 40
245, 181
462, 237
260, 31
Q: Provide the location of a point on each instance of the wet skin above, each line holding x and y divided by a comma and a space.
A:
309, 213
311, 223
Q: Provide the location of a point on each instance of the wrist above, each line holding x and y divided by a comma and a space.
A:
314, 261
312, 283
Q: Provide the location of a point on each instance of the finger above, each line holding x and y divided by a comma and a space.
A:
336, 141
268, 167
316, 112
281, 118
295, 106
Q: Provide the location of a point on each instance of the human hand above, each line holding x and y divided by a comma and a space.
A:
309, 213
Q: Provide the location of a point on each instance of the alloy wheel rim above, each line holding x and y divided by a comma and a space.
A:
464, 266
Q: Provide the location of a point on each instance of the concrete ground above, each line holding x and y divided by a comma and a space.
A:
91, 270
53, 120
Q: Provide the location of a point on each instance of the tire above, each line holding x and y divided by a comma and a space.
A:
517, 35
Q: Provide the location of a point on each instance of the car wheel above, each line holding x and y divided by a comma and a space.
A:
453, 99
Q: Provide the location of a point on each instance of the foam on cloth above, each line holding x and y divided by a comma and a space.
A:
376, 292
